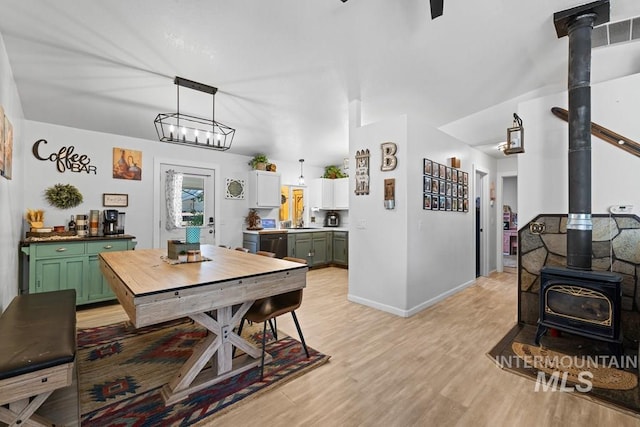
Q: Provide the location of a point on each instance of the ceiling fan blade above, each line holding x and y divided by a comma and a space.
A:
437, 7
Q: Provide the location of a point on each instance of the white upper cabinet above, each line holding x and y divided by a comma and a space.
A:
330, 194
264, 189
341, 193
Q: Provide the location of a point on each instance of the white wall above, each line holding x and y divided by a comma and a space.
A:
377, 236
10, 190
405, 259
441, 245
543, 169
99, 147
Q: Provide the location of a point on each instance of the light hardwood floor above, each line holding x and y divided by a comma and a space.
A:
428, 370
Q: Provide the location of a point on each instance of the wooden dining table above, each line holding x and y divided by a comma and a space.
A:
215, 292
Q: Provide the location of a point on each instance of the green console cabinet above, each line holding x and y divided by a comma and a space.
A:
70, 264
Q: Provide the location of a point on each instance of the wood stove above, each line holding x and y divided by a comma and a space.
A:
576, 299
585, 303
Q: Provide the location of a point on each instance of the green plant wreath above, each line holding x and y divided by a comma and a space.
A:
63, 196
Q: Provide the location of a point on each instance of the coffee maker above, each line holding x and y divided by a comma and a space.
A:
110, 222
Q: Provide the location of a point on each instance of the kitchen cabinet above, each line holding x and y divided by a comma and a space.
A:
315, 247
330, 194
264, 189
71, 264
341, 248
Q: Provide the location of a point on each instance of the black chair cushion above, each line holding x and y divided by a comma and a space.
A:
37, 331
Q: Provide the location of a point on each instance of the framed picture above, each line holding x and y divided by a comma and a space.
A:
435, 170
460, 177
427, 166
1, 141
443, 172
427, 184
113, 200
454, 204
465, 178
454, 176
448, 203
443, 203
434, 202
454, 190
448, 193
460, 205
443, 187
435, 185
448, 173
427, 202
127, 164
465, 191
7, 168
466, 205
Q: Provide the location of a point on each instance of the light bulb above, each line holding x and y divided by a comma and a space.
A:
195, 133
208, 137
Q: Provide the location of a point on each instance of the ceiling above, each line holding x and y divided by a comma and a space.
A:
286, 70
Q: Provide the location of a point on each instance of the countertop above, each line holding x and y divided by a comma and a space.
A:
295, 230
76, 238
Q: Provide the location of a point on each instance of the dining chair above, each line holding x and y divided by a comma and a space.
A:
266, 253
265, 310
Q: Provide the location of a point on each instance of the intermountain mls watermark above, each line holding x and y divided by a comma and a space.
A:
558, 373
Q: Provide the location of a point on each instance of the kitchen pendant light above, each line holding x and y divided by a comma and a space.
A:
177, 128
301, 178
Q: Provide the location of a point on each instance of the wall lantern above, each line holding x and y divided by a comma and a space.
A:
515, 137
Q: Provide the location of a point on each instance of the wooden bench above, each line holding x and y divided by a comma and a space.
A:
37, 353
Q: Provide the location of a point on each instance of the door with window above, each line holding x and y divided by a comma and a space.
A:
186, 198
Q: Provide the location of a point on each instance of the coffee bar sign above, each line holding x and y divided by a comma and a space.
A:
65, 159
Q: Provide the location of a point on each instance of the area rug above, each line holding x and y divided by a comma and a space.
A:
121, 371
568, 363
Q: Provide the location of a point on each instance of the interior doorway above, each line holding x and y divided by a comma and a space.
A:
509, 221
481, 212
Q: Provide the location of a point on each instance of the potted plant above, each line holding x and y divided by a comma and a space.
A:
333, 172
259, 162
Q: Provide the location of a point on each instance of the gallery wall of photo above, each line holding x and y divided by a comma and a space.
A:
445, 188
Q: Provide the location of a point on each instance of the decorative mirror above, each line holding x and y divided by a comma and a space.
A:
235, 189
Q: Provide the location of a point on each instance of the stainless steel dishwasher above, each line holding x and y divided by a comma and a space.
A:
274, 242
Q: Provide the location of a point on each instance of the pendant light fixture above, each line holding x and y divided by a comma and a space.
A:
301, 177
178, 128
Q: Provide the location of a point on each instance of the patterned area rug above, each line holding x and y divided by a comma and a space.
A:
121, 371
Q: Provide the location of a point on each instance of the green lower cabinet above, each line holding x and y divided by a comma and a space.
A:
341, 248
53, 266
58, 274
97, 287
315, 247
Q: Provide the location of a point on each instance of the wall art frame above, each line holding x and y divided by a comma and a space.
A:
115, 200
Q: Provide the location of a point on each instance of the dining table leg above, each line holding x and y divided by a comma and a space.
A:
197, 373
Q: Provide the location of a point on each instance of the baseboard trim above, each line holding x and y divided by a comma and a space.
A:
408, 313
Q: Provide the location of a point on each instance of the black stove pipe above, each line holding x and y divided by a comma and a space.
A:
579, 224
